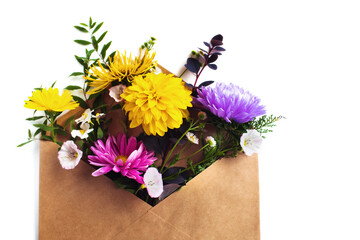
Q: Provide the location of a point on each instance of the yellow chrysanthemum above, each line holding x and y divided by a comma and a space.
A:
119, 68
157, 102
50, 100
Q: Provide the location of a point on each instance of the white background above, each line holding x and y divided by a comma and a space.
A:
302, 58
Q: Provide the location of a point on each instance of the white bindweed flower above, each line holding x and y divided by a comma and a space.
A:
69, 155
251, 142
211, 141
83, 132
116, 91
153, 182
85, 117
192, 138
98, 116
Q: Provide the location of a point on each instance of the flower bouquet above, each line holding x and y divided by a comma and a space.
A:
181, 156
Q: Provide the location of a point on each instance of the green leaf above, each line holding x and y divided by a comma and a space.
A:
104, 49
46, 137
82, 103
72, 87
116, 107
29, 133
102, 37
97, 27
61, 132
81, 61
84, 24
82, 42
111, 56
22, 144
88, 53
81, 29
52, 85
74, 74
93, 25
90, 21
68, 121
37, 132
80, 143
44, 127
34, 118
94, 43
100, 133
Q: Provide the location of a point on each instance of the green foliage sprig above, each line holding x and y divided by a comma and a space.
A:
264, 123
91, 28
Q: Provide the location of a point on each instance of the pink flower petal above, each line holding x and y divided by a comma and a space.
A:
101, 171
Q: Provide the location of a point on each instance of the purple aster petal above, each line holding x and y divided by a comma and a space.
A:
230, 102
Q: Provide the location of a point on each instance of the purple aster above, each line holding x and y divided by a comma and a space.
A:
230, 102
123, 155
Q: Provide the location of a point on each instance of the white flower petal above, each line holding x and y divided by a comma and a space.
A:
69, 155
153, 182
251, 142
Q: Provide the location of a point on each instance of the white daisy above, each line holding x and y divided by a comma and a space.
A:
211, 141
192, 138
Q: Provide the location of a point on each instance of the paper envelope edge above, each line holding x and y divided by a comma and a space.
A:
141, 213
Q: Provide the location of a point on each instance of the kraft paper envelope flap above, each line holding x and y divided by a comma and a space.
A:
220, 203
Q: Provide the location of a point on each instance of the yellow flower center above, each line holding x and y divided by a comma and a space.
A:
245, 143
122, 158
82, 131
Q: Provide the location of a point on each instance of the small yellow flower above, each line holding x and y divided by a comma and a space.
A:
120, 67
50, 100
157, 102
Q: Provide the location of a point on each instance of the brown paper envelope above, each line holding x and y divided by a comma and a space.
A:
220, 203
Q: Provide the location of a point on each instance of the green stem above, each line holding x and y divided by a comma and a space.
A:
186, 169
183, 72
52, 128
141, 187
196, 152
173, 148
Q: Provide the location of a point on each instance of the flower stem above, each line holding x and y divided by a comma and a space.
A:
183, 72
196, 151
186, 169
52, 128
173, 148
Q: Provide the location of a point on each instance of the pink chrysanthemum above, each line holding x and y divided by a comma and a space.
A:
123, 155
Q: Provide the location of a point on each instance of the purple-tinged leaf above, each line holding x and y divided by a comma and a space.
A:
217, 40
193, 65
203, 50
207, 44
212, 58
212, 66
221, 49
216, 53
206, 83
169, 189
